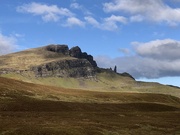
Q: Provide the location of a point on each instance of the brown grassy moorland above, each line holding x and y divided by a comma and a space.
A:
31, 109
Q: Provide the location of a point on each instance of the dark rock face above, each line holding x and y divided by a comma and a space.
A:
73, 52
59, 49
77, 53
66, 68
90, 59
83, 66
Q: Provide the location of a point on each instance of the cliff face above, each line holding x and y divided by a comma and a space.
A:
77, 53
51, 61
77, 64
63, 49
73, 52
66, 68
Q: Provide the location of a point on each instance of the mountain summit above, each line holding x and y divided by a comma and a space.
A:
51, 60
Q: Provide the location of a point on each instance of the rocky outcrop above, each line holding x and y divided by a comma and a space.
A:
56, 61
77, 53
61, 62
83, 66
59, 49
66, 68
73, 52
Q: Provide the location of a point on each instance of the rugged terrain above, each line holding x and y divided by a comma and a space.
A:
48, 61
55, 90
59, 66
27, 109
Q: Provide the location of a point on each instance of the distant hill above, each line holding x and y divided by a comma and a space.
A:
57, 65
51, 60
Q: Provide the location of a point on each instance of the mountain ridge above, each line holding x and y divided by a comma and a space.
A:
52, 60
57, 65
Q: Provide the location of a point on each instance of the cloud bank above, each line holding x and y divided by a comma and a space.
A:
51, 13
7, 44
154, 59
47, 12
149, 10
108, 23
117, 13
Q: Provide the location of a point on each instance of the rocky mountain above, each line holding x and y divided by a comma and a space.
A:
77, 63
51, 61
57, 65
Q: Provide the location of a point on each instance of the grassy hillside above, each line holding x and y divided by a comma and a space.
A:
104, 81
25, 59
27, 109
11, 88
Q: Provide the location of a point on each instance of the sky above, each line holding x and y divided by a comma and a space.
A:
140, 37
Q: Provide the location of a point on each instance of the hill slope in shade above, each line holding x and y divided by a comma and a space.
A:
27, 108
12, 89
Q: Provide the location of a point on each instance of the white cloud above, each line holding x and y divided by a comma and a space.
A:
74, 21
159, 49
109, 23
154, 59
115, 19
125, 51
151, 10
136, 18
7, 44
47, 12
92, 21
75, 6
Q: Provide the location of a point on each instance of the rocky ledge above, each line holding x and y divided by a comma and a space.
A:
73, 52
57, 61
76, 68
82, 66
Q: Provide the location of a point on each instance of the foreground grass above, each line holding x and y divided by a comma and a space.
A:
107, 82
30, 109
26, 116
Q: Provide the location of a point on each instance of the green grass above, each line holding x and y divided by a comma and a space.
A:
103, 82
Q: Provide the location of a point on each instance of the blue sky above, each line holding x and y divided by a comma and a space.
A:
141, 37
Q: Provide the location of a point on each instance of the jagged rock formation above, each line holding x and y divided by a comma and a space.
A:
79, 65
52, 61
58, 49
77, 53
66, 68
